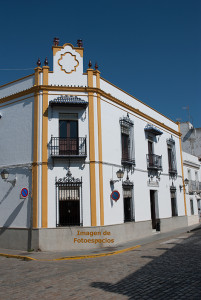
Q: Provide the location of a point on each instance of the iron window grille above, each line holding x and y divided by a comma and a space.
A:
172, 157
69, 202
127, 141
154, 162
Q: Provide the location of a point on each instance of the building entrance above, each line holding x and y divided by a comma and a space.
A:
153, 208
69, 201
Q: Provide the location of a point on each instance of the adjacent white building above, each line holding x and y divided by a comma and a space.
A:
192, 172
65, 136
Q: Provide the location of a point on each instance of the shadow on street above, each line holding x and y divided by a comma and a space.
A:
175, 274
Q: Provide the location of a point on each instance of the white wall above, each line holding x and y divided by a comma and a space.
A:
16, 132
121, 95
191, 162
111, 142
18, 86
15, 211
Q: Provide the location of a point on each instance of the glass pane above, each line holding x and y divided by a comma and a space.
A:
73, 129
63, 129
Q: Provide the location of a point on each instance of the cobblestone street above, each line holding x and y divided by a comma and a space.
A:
165, 269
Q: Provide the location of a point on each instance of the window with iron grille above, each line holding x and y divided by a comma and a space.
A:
171, 157
173, 201
127, 141
68, 202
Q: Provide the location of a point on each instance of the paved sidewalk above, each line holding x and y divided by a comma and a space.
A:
77, 254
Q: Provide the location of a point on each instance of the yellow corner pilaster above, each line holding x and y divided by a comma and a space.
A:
92, 150
35, 162
182, 169
37, 76
100, 150
35, 151
45, 151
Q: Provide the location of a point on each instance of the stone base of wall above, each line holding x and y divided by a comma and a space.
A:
193, 220
170, 224
82, 238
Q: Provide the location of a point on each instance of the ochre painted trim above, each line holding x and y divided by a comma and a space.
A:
100, 157
32, 90
45, 151
35, 159
37, 76
92, 90
92, 150
136, 99
71, 257
16, 101
182, 169
80, 51
58, 48
75, 67
16, 80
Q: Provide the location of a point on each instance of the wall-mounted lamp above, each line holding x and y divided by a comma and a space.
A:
0, 116
120, 175
4, 176
186, 181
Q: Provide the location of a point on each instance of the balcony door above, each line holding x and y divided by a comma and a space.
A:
150, 152
68, 137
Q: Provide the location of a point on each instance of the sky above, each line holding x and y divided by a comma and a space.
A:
149, 48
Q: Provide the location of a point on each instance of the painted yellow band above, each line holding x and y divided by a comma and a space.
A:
45, 151
92, 90
35, 154
182, 169
71, 257
97, 73
92, 150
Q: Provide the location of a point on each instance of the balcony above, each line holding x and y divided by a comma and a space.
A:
172, 170
68, 147
194, 187
154, 162
127, 160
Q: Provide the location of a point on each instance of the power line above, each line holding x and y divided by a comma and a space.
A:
16, 69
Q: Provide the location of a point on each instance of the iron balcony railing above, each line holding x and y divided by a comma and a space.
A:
68, 147
172, 170
194, 186
154, 162
127, 160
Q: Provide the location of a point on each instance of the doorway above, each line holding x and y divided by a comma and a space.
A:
153, 208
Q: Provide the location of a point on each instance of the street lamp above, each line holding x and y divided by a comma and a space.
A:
120, 175
4, 176
186, 181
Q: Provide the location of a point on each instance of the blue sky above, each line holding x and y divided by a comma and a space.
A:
149, 48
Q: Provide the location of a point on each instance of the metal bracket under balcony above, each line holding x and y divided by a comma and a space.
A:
173, 171
68, 147
154, 162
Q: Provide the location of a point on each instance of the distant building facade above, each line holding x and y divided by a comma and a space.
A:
191, 139
84, 155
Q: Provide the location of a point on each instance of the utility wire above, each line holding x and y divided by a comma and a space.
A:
16, 69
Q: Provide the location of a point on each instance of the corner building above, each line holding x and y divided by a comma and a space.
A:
65, 135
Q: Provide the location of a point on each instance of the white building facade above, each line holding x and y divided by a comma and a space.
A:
192, 172
65, 135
